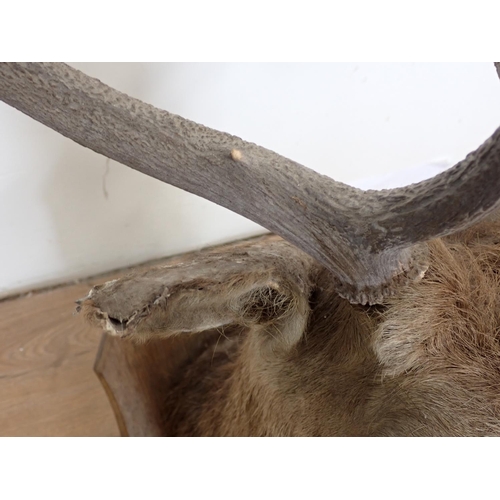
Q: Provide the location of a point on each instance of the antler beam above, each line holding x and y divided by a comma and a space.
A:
369, 240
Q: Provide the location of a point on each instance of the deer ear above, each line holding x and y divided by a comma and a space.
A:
262, 283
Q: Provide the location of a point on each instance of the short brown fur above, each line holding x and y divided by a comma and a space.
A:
308, 363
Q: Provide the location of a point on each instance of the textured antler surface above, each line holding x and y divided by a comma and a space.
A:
369, 240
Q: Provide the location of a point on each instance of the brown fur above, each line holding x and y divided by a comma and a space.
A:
425, 363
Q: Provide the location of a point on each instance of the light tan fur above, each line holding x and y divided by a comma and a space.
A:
292, 358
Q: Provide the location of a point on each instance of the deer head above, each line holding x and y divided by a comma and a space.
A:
297, 357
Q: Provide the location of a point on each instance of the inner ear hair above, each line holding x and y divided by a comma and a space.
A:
263, 283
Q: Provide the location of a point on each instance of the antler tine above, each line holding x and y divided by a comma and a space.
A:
371, 241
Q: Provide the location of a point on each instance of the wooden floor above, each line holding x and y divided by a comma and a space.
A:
47, 353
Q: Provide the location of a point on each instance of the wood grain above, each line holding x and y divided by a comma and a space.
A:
137, 378
47, 353
47, 386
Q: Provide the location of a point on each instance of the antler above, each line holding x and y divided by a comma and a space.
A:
371, 240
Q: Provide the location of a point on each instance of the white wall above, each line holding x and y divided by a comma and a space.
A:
66, 212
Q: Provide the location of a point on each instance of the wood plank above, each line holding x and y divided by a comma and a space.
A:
47, 383
47, 352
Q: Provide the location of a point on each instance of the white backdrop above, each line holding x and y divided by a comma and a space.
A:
67, 213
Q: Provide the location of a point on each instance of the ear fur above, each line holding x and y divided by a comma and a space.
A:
259, 283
